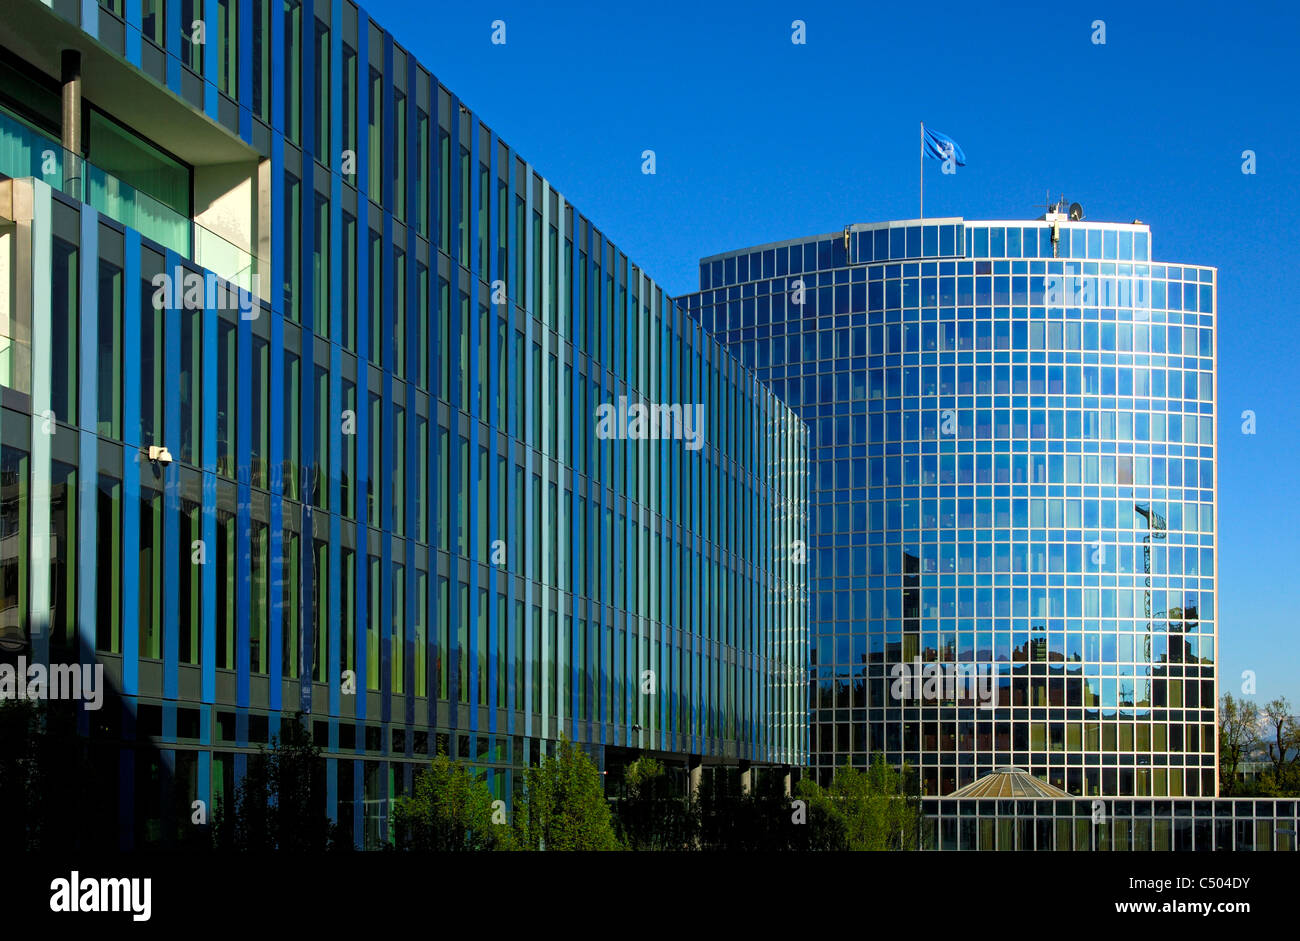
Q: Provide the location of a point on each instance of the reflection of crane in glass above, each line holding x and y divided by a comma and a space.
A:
1155, 528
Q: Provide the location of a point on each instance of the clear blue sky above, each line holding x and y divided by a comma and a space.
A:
758, 139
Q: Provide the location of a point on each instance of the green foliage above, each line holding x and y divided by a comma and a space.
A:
878, 806
876, 809
1283, 781
450, 811
280, 803
563, 806
824, 827
643, 774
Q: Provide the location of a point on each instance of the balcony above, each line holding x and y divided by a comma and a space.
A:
25, 152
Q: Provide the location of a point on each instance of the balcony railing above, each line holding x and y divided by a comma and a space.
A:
26, 152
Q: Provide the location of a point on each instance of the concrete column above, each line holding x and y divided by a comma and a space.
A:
72, 143
694, 773
746, 778
786, 780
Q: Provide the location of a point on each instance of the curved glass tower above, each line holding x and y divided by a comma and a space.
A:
1013, 495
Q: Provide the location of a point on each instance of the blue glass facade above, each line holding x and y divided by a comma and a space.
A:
1013, 457
384, 501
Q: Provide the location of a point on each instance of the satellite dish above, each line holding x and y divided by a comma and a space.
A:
1076, 212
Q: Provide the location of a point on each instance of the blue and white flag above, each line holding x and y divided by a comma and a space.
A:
940, 146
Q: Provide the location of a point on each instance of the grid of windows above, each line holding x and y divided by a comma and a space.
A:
1178, 825
1012, 449
402, 479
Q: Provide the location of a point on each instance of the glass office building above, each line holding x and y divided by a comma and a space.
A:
1013, 497
1236, 824
299, 375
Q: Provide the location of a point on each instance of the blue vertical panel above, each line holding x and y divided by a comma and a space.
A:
432, 610
336, 262
577, 671
208, 523
505, 634
333, 672
276, 300
243, 508
208, 513
307, 81
275, 548
453, 435
89, 337
409, 583
173, 38
526, 655
453, 156
88, 448
475, 408
575, 628
307, 568
171, 488
310, 447
494, 485
362, 180
130, 466
336, 197
362, 612
408, 433
526, 247
412, 419
336, 87
596, 500
388, 429
696, 391
389, 115
247, 64
90, 17
211, 57
669, 536
133, 39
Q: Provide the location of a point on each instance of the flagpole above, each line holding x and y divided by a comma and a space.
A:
921, 163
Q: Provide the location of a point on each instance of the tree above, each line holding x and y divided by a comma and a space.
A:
450, 811
280, 803
563, 806
823, 826
1284, 736
1238, 736
880, 807
1282, 782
